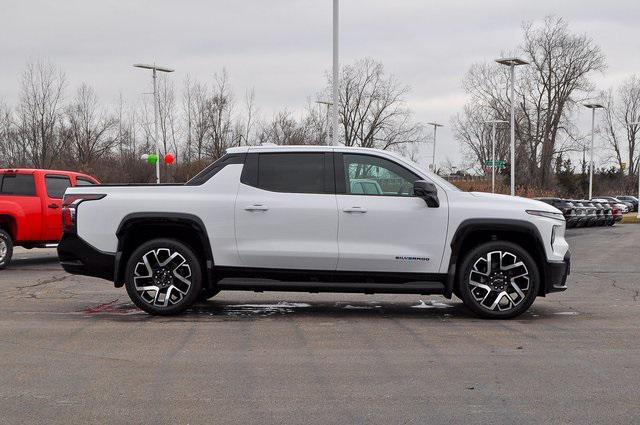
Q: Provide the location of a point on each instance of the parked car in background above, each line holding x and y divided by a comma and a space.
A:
609, 211
31, 207
581, 214
628, 198
624, 206
566, 207
583, 218
600, 211
591, 214
617, 213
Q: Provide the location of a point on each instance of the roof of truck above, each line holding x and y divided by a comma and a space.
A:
297, 148
38, 170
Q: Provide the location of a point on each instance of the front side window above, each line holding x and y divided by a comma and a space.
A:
17, 185
56, 186
292, 172
371, 175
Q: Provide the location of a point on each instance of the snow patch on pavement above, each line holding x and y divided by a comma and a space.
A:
262, 309
431, 304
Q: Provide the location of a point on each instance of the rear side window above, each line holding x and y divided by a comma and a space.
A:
83, 182
292, 172
56, 185
213, 169
17, 184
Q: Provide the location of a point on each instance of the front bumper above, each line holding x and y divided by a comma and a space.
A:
78, 257
556, 273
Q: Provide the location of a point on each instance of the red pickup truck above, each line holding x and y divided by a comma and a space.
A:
30, 207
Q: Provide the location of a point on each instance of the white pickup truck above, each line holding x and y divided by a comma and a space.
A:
289, 219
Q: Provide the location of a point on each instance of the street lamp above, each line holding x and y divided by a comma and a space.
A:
493, 151
336, 69
593, 107
433, 157
633, 124
329, 105
512, 63
155, 70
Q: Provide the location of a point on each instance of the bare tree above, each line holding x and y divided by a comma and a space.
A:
546, 94
39, 112
12, 151
561, 62
250, 107
373, 110
283, 129
622, 109
219, 116
88, 130
472, 130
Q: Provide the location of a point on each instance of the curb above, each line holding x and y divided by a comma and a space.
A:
630, 218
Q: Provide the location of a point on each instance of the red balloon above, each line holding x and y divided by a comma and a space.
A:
169, 159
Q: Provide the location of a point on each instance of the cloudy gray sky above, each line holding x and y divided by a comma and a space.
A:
282, 47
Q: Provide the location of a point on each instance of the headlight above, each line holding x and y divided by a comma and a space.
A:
548, 214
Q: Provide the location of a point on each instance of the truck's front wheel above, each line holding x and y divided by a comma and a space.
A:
498, 280
163, 277
6, 248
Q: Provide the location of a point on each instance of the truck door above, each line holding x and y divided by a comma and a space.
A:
286, 213
55, 186
382, 226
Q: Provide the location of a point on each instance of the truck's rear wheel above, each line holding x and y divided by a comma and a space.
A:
498, 280
6, 248
163, 277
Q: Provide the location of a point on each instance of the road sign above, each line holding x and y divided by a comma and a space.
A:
498, 164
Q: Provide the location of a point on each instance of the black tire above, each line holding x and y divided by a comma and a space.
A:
498, 281
6, 248
175, 295
208, 293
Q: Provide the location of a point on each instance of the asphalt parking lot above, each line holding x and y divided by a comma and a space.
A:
75, 350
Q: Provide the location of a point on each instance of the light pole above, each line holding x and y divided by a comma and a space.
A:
155, 70
329, 105
593, 107
336, 67
493, 151
512, 63
433, 156
633, 124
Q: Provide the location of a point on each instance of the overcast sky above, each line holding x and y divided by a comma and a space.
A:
282, 47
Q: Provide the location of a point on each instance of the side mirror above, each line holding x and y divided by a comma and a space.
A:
426, 191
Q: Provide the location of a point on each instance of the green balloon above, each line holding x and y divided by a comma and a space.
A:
152, 159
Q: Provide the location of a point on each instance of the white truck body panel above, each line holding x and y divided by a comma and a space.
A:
309, 231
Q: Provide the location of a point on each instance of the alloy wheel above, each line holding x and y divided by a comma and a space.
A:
499, 281
3, 250
162, 277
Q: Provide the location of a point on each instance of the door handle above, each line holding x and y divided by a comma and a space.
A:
257, 207
53, 206
355, 210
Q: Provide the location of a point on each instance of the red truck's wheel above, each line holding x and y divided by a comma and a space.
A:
6, 248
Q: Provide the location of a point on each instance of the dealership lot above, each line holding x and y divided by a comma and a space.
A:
75, 350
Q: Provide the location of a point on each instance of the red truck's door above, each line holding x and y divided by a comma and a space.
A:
54, 185
19, 198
